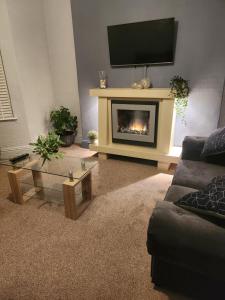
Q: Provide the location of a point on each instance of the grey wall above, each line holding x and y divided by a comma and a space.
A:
221, 122
200, 54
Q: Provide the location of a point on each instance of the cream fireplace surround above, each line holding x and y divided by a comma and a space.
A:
164, 153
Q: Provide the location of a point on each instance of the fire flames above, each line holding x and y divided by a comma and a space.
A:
138, 125
135, 127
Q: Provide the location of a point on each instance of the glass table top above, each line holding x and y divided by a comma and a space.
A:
68, 166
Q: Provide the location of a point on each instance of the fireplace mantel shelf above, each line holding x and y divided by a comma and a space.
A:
152, 93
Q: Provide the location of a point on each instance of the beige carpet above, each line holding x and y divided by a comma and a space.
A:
102, 255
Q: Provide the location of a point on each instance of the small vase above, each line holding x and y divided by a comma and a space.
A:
145, 82
92, 141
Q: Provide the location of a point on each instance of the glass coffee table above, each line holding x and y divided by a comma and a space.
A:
72, 170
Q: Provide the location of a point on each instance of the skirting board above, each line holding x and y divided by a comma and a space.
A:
8, 152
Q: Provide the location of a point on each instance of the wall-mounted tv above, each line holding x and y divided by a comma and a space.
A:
142, 43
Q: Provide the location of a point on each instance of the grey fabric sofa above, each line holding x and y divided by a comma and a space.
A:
187, 250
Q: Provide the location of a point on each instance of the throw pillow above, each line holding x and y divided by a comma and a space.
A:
209, 201
215, 145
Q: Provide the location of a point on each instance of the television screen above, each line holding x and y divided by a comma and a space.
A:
142, 43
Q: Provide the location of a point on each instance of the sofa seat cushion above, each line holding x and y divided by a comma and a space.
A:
181, 237
196, 174
176, 192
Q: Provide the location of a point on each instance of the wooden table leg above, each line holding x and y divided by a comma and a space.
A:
17, 194
70, 198
86, 188
73, 211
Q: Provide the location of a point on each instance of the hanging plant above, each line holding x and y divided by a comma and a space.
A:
180, 90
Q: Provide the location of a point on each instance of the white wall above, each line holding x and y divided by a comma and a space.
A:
28, 31
12, 133
59, 32
36, 38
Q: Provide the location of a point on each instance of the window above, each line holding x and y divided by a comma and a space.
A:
6, 111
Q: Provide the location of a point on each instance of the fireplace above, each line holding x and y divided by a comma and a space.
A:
151, 135
135, 122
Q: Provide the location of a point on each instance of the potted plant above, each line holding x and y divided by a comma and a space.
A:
64, 124
180, 90
48, 146
92, 135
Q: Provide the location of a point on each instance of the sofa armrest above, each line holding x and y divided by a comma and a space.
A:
192, 148
186, 239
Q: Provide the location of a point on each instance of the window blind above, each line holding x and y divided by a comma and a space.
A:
6, 111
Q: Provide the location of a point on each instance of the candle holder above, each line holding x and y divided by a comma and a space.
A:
102, 80
71, 175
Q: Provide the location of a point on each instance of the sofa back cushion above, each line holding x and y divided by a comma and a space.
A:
214, 147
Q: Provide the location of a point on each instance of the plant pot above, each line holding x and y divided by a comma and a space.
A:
68, 138
92, 141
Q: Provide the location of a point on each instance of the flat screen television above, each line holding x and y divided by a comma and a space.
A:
142, 43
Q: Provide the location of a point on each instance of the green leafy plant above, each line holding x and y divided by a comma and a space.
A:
180, 90
48, 146
92, 135
63, 121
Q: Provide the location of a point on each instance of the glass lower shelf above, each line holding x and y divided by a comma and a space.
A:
51, 191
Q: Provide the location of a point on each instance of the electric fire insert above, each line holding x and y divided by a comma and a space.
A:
135, 122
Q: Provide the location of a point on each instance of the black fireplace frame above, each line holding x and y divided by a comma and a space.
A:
131, 142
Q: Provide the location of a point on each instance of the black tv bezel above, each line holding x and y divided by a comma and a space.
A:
146, 64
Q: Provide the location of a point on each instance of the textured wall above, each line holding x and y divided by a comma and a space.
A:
200, 54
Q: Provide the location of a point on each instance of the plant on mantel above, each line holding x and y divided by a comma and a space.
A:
180, 90
92, 135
